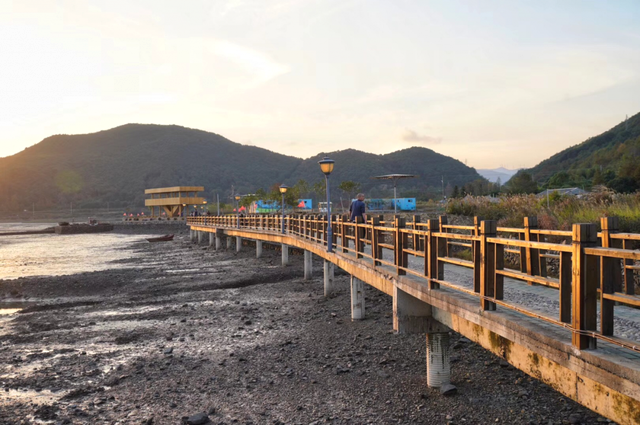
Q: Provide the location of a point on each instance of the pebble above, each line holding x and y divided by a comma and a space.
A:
448, 389
198, 419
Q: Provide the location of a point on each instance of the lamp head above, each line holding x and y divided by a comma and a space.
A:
283, 188
326, 165
237, 197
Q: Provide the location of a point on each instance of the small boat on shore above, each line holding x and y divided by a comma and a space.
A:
164, 238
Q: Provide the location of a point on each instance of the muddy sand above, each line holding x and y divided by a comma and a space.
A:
237, 340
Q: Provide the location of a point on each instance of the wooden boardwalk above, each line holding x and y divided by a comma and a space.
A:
578, 332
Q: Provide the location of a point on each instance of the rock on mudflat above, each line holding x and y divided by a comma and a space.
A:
197, 419
448, 389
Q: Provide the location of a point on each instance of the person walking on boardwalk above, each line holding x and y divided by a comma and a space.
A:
357, 208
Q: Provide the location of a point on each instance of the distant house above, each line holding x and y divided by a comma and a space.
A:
570, 191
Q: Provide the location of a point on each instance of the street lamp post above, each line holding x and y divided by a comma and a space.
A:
283, 190
184, 209
238, 209
326, 165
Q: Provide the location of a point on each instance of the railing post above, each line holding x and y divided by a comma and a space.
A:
345, 230
610, 275
487, 265
477, 223
357, 235
443, 222
431, 254
584, 286
334, 236
415, 238
499, 265
566, 286
532, 264
400, 237
375, 249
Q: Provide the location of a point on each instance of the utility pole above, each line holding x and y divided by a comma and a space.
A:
218, 199
443, 186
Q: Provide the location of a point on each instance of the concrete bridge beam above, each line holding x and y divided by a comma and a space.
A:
285, 255
357, 298
200, 237
308, 265
229, 242
329, 269
238, 243
410, 315
212, 238
258, 249
218, 242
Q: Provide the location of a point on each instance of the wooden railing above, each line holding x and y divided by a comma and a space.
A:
591, 266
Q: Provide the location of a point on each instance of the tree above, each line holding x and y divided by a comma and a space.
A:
561, 179
456, 192
320, 189
522, 182
350, 188
597, 177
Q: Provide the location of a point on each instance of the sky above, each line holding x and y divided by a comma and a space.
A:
490, 83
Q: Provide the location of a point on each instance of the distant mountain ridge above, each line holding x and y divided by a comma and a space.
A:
494, 174
116, 166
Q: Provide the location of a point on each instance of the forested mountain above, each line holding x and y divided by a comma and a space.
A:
115, 166
429, 167
611, 158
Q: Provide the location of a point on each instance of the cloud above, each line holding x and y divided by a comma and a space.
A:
413, 137
262, 67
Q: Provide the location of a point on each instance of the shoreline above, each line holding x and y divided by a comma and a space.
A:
243, 340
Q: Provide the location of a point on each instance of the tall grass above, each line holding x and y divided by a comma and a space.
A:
561, 213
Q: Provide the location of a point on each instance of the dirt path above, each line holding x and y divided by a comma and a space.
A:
243, 340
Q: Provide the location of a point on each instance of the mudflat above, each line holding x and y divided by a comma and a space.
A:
194, 335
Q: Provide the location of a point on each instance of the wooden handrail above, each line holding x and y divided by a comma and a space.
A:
593, 266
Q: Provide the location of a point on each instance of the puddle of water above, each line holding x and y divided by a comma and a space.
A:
30, 396
12, 307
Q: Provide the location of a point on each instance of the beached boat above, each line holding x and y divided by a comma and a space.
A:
164, 238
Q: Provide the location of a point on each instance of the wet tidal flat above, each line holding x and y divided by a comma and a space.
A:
243, 340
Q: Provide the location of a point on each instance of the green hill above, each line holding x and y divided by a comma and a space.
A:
115, 166
429, 166
611, 158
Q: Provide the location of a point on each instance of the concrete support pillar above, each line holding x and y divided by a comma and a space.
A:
200, 237
191, 235
238, 243
410, 315
285, 255
258, 249
218, 242
357, 299
329, 269
438, 365
229, 242
212, 238
308, 265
